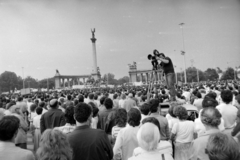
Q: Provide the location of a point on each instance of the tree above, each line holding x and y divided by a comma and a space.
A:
123, 80
228, 74
211, 74
191, 74
8, 81
109, 78
44, 82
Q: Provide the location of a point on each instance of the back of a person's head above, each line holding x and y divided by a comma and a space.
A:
95, 110
143, 98
115, 96
148, 137
209, 102
171, 110
121, 117
152, 120
108, 103
210, 116
198, 94
134, 117
19, 99
82, 112
154, 105
33, 107
42, 104
226, 96
39, 110
123, 96
54, 145
180, 112
221, 146
95, 97
81, 98
212, 95
102, 99
8, 127
69, 112
90, 96
53, 103
145, 108
69, 97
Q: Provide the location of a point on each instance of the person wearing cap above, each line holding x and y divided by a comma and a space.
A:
54, 117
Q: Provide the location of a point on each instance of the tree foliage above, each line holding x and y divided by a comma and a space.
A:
9, 81
211, 74
228, 74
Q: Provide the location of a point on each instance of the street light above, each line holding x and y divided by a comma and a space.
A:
176, 73
23, 77
183, 53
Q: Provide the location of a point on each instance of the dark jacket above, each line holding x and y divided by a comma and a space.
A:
90, 144
52, 118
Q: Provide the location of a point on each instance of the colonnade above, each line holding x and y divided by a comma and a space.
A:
75, 81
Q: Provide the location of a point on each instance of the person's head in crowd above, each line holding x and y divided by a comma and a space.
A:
143, 98
102, 100
108, 103
9, 128
227, 96
171, 111
19, 99
115, 96
69, 97
148, 137
39, 110
145, 108
95, 96
198, 95
69, 115
33, 107
53, 104
152, 120
36, 101
121, 117
90, 96
130, 95
42, 104
134, 117
54, 145
237, 101
61, 101
75, 102
123, 96
83, 113
211, 117
212, 95
163, 91
81, 98
209, 102
181, 113
95, 110
154, 105
221, 146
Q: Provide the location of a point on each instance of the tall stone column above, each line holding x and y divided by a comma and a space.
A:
68, 82
93, 39
64, 82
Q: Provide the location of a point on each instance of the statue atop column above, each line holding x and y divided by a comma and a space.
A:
93, 33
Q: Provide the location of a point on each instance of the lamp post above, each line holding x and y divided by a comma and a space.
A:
175, 73
183, 53
23, 77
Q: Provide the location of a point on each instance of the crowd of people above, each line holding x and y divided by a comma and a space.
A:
125, 123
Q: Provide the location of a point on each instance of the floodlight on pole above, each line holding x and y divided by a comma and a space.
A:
183, 53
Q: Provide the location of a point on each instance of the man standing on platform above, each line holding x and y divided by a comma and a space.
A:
168, 70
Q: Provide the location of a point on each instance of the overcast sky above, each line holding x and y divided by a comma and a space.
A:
45, 35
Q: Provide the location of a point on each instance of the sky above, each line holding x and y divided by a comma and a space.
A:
39, 36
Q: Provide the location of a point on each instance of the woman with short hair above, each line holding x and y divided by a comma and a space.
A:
126, 140
54, 146
148, 137
182, 134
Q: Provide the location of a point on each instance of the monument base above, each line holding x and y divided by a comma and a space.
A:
95, 76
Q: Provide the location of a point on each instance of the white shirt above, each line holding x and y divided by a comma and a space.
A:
229, 114
121, 103
36, 121
184, 131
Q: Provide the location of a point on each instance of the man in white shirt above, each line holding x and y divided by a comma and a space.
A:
228, 111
